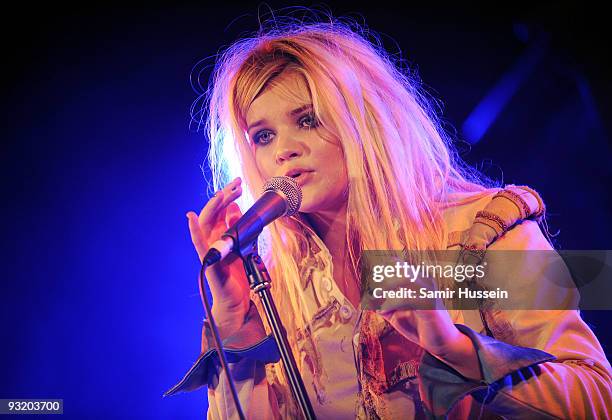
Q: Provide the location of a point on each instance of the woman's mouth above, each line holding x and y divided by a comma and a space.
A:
300, 176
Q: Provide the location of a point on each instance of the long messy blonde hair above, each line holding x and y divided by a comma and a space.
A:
400, 162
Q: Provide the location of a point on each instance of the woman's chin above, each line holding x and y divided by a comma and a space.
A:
310, 206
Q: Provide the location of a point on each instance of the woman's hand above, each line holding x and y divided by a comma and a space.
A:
433, 330
226, 279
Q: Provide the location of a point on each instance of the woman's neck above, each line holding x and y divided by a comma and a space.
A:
330, 226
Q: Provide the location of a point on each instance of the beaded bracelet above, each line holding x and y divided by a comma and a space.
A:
541, 207
493, 217
474, 251
517, 200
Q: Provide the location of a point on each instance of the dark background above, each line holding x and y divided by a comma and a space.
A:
99, 302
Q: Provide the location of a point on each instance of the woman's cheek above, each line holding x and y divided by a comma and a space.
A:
263, 165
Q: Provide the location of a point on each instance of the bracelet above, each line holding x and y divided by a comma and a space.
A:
517, 200
474, 251
541, 207
483, 214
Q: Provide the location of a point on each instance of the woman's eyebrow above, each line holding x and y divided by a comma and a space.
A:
255, 124
300, 109
291, 113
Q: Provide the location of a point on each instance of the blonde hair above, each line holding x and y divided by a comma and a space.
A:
400, 163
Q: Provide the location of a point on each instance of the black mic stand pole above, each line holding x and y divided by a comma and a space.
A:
259, 281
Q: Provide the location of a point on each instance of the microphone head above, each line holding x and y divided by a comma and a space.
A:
289, 188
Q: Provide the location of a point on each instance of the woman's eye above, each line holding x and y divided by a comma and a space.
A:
262, 137
308, 121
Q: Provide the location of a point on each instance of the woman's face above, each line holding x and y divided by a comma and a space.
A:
288, 141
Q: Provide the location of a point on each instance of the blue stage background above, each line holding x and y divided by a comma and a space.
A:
99, 299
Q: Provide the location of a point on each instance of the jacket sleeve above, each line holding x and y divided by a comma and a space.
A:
247, 351
541, 363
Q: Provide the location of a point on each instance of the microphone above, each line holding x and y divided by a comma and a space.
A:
281, 196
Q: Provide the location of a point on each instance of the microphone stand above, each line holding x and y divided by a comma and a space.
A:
260, 282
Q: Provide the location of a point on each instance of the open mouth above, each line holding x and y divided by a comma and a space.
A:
298, 173
299, 176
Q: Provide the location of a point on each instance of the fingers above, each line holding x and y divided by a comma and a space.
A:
218, 211
208, 215
196, 234
232, 191
232, 214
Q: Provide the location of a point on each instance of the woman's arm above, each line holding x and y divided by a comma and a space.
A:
549, 362
248, 351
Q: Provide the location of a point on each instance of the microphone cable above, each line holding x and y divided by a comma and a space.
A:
286, 190
215, 332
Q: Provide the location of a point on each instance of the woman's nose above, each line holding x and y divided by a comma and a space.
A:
288, 150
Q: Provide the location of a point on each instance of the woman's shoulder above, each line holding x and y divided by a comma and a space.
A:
479, 218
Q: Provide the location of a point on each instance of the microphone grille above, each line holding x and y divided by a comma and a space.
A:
289, 188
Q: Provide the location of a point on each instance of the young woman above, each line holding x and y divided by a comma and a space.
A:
320, 103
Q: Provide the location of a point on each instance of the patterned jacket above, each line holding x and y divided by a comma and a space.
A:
534, 363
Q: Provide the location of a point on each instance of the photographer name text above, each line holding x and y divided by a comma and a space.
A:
424, 293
